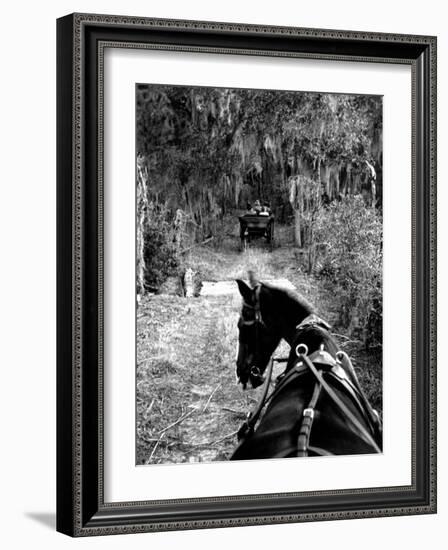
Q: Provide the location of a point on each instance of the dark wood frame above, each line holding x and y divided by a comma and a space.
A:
81, 509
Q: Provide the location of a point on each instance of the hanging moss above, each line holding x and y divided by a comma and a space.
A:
240, 145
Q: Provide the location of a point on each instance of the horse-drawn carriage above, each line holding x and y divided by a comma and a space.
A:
256, 226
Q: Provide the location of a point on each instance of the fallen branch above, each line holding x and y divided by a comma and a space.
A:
195, 245
240, 413
340, 335
178, 421
357, 342
149, 409
148, 439
207, 444
210, 398
222, 438
155, 447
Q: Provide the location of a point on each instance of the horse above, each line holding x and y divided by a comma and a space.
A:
317, 406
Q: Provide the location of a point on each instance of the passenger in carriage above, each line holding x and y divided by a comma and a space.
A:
265, 209
258, 209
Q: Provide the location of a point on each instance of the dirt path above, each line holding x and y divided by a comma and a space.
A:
189, 406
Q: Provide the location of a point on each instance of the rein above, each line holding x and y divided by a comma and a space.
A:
256, 307
248, 426
321, 383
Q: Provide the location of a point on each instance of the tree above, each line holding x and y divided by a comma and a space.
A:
209, 150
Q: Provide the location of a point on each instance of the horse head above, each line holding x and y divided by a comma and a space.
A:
268, 315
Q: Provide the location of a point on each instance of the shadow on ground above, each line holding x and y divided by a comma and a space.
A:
47, 519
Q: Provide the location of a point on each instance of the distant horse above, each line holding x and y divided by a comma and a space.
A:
317, 406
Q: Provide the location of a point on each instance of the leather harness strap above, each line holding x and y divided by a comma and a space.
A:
257, 321
249, 425
317, 365
258, 317
306, 364
313, 320
324, 360
303, 441
256, 307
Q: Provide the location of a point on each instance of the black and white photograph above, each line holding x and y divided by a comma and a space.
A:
259, 288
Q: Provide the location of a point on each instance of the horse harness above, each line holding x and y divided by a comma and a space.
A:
321, 365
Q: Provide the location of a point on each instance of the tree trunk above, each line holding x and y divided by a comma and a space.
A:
142, 219
297, 228
179, 230
311, 249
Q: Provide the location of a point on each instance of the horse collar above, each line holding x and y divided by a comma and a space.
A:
313, 320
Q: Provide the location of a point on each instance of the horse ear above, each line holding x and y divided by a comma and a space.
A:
245, 291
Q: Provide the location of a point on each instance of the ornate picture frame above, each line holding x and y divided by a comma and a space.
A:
81, 42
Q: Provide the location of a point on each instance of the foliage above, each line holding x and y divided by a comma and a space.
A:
349, 235
209, 150
160, 256
306, 201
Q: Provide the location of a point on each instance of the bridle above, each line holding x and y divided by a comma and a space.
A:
258, 319
321, 365
258, 322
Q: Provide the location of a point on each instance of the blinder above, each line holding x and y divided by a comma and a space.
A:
318, 363
256, 308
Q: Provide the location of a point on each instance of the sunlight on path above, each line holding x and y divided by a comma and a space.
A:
222, 288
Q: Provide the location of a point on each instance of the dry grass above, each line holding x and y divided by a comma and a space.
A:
186, 371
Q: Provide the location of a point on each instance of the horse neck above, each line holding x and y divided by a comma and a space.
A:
286, 313
290, 329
